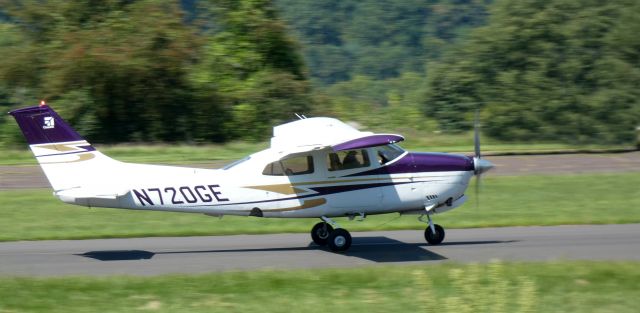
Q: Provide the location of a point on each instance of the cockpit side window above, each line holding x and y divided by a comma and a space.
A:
388, 153
290, 167
343, 160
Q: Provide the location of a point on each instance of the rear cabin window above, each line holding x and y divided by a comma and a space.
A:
344, 160
289, 167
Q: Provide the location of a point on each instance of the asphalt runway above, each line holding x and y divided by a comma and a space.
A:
165, 255
27, 177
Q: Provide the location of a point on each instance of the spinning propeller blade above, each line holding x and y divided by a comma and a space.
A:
477, 191
479, 165
476, 135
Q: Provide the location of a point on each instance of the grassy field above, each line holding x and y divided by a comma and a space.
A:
448, 287
505, 201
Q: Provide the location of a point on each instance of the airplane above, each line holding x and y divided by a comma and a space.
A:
316, 167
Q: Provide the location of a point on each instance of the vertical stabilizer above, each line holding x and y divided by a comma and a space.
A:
66, 158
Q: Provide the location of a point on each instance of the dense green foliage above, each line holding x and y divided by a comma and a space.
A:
146, 71
538, 70
378, 39
213, 71
564, 70
367, 58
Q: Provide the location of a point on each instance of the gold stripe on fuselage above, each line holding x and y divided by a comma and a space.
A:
307, 204
63, 147
286, 189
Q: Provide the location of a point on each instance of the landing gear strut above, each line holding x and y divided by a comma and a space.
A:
337, 239
434, 234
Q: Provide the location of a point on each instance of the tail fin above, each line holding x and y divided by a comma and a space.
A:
66, 158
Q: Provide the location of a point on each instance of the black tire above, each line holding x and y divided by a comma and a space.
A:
320, 234
436, 238
339, 240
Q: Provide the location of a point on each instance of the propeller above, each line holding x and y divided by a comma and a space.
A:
479, 165
476, 134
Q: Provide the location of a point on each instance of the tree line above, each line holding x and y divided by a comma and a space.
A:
566, 70
150, 70
213, 71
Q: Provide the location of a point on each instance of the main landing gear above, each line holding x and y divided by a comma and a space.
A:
328, 233
434, 234
337, 239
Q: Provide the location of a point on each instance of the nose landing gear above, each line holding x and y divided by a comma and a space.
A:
434, 237
434, 234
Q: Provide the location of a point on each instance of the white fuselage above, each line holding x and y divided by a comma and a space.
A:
243, 189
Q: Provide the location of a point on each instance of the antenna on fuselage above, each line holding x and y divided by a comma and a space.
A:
300, 116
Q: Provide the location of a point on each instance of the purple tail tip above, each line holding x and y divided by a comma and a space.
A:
41, 124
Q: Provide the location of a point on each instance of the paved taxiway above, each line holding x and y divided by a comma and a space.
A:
153, 256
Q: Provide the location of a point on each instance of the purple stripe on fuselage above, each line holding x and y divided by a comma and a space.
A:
88, 147
41, 124
423, 162
327, 190
321, 191
368, 141
65, 153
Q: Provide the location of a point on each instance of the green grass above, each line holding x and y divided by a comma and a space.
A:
448, 287
505, 201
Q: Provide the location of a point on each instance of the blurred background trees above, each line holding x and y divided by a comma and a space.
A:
213, 71
565, 70
153, 70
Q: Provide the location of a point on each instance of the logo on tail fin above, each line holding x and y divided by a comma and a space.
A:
49, 122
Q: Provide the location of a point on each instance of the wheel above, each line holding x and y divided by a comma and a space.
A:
339, 240
436, 238
320, 233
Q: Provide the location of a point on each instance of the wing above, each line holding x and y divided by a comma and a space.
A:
322, 133
368, 141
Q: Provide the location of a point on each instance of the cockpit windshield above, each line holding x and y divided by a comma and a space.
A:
388, 153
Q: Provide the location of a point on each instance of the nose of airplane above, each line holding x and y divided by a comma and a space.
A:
436, 162
481, 165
